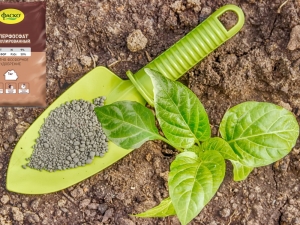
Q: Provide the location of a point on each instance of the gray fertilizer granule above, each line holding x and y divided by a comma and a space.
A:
70, 137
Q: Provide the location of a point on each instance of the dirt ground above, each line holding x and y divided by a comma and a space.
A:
261, 63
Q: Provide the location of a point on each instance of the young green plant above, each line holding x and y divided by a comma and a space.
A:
253, 134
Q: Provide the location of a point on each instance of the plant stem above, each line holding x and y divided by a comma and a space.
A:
197, 142
169, 143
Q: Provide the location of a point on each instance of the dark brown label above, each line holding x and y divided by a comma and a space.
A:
32, 27
22, 54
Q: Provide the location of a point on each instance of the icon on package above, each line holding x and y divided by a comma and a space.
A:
10, 88
1, 88
23, 88
11, 75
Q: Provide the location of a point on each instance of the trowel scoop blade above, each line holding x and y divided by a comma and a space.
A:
98, 82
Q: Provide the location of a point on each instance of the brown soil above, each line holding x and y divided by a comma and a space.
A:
261, 63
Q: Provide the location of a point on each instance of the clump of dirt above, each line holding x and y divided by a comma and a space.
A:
260, 63
136, 41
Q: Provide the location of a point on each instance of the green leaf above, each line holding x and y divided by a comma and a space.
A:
240, 172
181, 115
194, 148
259, 133
218, 144
127, 124
193, 181
165, 208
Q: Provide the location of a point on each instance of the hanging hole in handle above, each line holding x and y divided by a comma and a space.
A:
228, 19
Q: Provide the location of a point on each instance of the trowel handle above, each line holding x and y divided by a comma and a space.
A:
188, 51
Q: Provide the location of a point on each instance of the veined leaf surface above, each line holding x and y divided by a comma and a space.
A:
240, 172
128, 124
165, 208
181, 115
259, 133
218, 144
193, 181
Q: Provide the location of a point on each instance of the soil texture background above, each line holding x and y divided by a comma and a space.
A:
261, 63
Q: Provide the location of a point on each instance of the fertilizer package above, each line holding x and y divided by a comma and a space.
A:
23, 54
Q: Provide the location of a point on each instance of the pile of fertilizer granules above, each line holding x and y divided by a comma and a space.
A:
70, 137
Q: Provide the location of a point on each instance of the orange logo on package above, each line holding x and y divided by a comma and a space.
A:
11, 16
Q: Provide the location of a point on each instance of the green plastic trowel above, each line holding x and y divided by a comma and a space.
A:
173, 63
